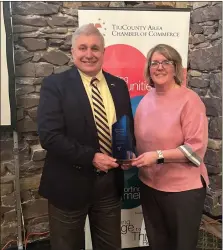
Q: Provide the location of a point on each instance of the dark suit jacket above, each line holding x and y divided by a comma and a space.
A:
67, 131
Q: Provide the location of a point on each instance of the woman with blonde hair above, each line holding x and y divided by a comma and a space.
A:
171, 132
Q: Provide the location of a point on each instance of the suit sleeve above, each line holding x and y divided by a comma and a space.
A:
195, 130
129, 113
51, 128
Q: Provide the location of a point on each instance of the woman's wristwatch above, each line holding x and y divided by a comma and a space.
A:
160, 159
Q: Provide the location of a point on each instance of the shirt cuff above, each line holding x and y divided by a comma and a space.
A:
190, 155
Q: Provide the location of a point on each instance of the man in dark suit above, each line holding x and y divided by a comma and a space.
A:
80, 177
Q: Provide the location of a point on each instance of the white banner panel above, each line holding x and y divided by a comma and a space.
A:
8, 100
5, 105
129, 34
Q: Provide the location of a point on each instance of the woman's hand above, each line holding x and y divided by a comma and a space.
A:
145, 160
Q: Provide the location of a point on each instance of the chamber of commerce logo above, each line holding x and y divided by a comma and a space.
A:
100, 24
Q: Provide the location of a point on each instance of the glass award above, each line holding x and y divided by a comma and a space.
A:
122, 141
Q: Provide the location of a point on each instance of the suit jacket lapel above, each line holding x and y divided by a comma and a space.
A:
85, 105
113, 89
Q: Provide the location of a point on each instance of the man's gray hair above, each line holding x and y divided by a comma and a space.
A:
87, 30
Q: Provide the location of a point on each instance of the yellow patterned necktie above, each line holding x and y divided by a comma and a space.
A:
101, 120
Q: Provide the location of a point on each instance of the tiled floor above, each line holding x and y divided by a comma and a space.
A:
44, 245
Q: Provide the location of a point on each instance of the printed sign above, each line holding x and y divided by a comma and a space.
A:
129, 35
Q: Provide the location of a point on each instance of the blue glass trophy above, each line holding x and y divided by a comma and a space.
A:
122, 141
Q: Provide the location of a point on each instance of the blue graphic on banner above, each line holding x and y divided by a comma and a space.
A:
131, 195
135, 102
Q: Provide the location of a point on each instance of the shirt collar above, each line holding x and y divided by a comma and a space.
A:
87, 78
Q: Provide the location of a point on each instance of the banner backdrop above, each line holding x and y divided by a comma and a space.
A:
129, 34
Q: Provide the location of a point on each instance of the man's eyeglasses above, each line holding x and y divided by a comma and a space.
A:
165, 64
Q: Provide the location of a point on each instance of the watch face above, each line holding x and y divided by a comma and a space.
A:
160, 161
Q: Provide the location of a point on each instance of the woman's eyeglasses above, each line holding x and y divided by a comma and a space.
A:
165, 64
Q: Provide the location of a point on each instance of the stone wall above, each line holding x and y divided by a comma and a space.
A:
42, 34
205, 77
